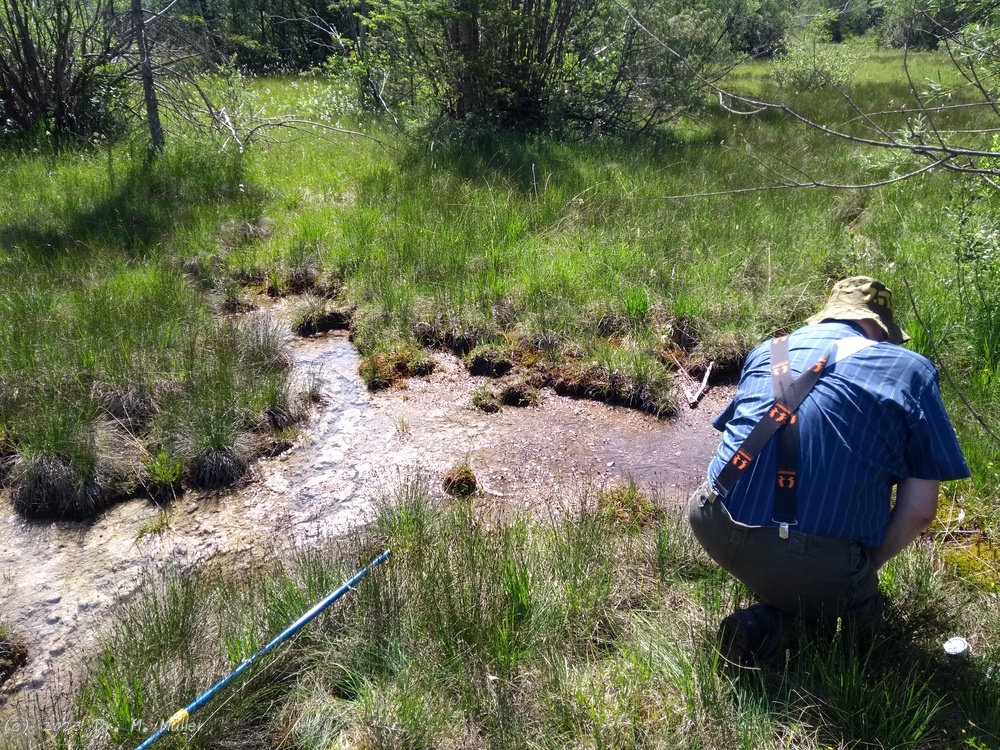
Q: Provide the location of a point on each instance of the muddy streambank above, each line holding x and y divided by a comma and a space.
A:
59, 581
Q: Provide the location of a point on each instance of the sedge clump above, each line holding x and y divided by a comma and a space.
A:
459, 481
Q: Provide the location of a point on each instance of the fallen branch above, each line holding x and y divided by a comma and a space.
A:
692, 397
704, 385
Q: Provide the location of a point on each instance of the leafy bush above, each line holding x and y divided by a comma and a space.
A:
807, 66
761, 31
922, 24
577, 63
976, 211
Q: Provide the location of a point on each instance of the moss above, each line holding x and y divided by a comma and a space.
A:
490, 360
13, 653
520, 392
976, 562
382, 369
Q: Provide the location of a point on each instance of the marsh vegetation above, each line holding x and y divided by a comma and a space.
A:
596, 630
138, 359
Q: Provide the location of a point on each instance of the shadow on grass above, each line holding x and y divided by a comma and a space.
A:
888, 692
522, 160
138, 209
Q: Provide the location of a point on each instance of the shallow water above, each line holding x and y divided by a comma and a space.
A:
59, 581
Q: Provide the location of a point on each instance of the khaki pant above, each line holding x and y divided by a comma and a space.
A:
817, 577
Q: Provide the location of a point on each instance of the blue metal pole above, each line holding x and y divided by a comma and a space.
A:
179, 718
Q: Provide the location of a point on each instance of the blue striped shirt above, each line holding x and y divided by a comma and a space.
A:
871, 420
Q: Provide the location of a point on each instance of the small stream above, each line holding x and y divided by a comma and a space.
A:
59, 581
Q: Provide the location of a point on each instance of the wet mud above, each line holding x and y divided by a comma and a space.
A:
59, 582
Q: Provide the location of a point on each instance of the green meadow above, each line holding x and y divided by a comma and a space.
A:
135, 361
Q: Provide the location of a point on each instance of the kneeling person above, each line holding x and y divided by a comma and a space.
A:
824, 424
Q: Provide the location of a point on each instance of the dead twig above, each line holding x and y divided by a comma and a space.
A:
704, 385
693, 397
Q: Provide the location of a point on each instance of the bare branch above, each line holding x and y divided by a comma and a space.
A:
928, 112
940, 152
301, 125
153, 17
731, 110
809, 184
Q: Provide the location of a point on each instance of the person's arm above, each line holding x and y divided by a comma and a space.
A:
915, 510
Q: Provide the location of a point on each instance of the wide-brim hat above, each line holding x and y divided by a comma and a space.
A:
862, 298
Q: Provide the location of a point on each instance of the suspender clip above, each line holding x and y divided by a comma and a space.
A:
783, 530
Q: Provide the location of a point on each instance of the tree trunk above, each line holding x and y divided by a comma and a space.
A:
146, 74
463, 35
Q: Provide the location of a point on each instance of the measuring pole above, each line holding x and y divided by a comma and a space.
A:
179, 718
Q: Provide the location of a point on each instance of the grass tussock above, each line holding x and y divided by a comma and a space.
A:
46, 486
620, 372
13, 653
314, 315
383, 369
130, 365
596, 630
460, 481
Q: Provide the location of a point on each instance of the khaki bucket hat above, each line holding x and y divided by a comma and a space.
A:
862, 298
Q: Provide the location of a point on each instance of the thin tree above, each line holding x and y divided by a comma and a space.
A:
156, 137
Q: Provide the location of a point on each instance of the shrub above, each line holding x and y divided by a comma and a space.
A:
922, 24
576, 63
809, 65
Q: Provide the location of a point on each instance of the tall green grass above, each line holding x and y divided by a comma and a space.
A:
109, 353
593, 630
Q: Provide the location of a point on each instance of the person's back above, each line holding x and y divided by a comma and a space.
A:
872, 419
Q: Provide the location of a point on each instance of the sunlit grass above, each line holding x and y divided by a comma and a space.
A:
107, 342
533, 259
591, 630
